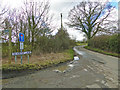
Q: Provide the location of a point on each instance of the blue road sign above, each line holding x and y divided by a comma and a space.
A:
21, 37
21, 53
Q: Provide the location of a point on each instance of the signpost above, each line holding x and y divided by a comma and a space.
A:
21, 45
21, 39
21, 53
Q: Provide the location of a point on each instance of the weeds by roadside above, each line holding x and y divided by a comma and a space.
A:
67, 55
102, 51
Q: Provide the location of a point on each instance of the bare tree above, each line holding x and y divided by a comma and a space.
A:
32, 19
9, 24
3, 10
89, 17
38, 19
10, 21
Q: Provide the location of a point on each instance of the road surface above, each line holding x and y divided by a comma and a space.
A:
93, 70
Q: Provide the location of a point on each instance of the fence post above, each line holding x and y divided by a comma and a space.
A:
28, 59
15, 59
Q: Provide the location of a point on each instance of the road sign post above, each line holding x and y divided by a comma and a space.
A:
21, 53
15, 59
21, 39
21, 57
21, 46
28, 59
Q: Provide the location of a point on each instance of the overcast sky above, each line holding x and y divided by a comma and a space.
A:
57, 7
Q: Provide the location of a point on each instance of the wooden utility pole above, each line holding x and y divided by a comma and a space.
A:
10, 46
61, 22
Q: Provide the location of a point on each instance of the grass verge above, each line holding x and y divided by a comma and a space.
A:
68, 55
102, 51
81, 44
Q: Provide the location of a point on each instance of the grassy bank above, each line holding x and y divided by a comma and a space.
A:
43, 62
102, 51
81, 44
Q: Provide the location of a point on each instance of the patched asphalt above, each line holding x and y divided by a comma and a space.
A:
93, 70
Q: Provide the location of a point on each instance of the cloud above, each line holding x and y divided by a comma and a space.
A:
60, 6
64, 6
75, 34
113, 17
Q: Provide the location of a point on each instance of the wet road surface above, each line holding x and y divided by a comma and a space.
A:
93, 70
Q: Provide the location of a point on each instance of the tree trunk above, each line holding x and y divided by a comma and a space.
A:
10, 46
88, 41
32, 40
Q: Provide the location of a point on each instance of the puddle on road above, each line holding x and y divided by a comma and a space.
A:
79, 52
61, 68
65, 67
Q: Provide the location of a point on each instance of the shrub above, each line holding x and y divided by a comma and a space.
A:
43, 44
113, 43
105, 42
57, 43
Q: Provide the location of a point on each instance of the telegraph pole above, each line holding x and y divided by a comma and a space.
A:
61, 22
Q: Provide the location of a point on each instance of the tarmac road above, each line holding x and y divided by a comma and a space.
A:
93, 70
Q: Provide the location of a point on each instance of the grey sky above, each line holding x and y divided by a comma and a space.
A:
64, 7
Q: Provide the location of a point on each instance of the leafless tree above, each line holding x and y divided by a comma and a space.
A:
38, 19
3, 10
90, 17
10, 22
33, 19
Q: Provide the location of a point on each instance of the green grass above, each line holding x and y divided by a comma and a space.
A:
102, 51
81, 44
70, 52
47, 63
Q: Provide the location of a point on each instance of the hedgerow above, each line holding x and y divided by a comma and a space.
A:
106, 42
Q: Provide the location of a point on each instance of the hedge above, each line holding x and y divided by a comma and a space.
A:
106, 42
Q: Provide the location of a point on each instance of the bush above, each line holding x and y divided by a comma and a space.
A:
43, 44
57, 43
113, 43
15, 48
105, 42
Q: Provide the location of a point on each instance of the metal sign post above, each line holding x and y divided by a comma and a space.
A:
15, 59
21, 57
21, 39
21, 53
28, 58
21, 46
